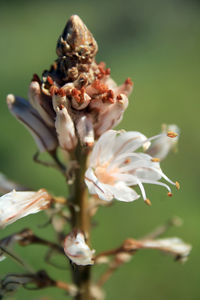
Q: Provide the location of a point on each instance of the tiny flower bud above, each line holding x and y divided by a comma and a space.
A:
85, 131
28, 116
77, 250
65, 129
111, 115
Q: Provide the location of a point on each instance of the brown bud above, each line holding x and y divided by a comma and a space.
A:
77, 40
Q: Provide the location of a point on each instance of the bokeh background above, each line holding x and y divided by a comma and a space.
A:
157, 44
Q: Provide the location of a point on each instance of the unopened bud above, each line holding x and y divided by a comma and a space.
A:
77, 250
65, 129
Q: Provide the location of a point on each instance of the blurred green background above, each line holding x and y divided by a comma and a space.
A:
157, 44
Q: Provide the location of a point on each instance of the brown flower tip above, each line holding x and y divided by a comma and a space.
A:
77, 40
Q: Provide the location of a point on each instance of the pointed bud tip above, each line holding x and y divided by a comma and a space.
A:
76, 39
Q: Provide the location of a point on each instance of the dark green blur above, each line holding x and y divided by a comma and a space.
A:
157, 44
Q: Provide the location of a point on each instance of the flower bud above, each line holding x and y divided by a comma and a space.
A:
65, 129
112, 115
28, 116
76, 40
85, 131
77, 250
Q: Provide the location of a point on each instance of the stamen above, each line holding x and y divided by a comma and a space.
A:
142, 190
163, 175
157, 183
147, 140
172, 134
169, 194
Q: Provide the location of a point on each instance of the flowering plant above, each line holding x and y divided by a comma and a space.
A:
74, 106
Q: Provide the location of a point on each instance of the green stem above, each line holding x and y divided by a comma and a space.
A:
81, 221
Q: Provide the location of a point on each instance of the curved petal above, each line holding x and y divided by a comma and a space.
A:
103, 148
124, 193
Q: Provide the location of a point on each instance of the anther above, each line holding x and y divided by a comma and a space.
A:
50, 80
128, 81
177, 185
155, 159
119, 97
169, 194
127, 161
148, 202
61, 92
53, 90
172, 134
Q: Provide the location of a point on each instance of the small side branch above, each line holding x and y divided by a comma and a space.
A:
122, 254
34, 281
56, 165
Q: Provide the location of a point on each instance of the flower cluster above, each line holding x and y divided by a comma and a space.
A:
74, 106
76, 99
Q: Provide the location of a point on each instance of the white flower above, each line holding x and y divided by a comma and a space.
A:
16, 205
163, 145
174, 246
77, 250
115, 166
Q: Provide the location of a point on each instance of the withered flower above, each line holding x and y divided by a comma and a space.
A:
16, 205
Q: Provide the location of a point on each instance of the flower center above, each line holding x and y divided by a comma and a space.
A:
104, 175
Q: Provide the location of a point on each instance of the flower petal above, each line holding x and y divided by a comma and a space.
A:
124, 193
96, 187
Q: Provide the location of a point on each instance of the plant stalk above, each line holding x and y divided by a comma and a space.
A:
80, 221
